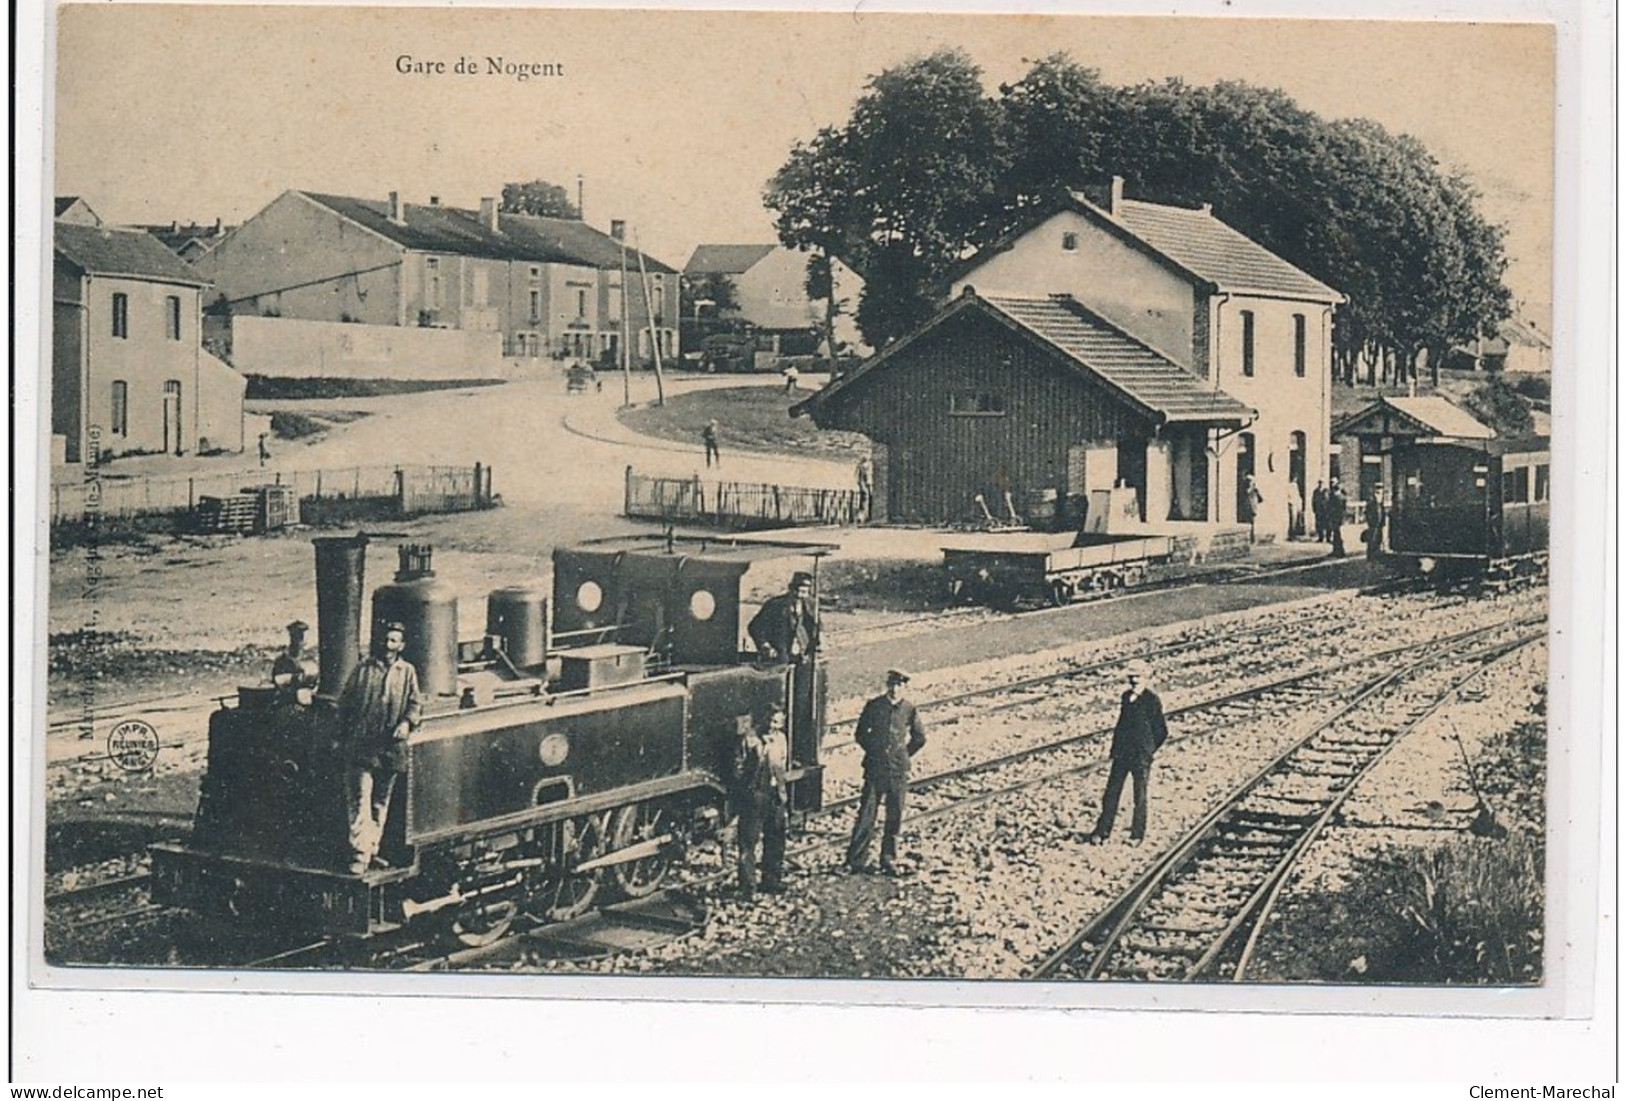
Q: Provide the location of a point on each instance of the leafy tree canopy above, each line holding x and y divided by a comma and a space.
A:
929, 169
548, 200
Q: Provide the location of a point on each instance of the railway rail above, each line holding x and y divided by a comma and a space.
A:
968, 784
1200, 908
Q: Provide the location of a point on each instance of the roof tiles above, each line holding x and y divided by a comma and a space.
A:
102, 250
1205, 246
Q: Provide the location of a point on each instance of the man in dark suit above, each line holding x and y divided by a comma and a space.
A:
1337, 511
889, 733
786, 629
1141, 730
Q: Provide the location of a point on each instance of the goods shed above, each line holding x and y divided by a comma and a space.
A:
1034, 401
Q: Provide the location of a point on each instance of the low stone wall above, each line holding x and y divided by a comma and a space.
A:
293, 348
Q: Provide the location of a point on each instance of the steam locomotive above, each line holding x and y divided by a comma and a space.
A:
1471, 510
557, 764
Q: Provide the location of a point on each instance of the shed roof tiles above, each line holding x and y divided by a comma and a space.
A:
1143, 376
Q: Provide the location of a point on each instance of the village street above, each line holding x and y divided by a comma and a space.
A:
559, 463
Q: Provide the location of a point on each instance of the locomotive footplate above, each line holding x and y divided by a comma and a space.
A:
318, 900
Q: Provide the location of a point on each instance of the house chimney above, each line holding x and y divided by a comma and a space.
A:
1207, 208
395, 206
434, 200
581, 197
1117, 195
217, 227
488, 215
617, 229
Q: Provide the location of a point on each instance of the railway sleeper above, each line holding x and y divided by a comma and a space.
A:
1154, 948
1183, 930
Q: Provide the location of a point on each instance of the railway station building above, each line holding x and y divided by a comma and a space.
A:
1038, 398
1220, 315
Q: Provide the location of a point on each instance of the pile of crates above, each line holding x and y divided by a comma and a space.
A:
257, 509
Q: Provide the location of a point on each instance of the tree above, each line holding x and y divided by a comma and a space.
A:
928, 170
904, 190
548, 200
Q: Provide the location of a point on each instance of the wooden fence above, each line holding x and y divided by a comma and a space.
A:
740, 504
394, 490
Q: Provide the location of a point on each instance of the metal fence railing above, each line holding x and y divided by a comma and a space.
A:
407, 490
741, 504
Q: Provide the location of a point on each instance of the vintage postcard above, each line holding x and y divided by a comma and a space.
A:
1029, 510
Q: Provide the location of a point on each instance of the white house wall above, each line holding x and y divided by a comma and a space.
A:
1110, 276
284, 347
297, 258
1285, 402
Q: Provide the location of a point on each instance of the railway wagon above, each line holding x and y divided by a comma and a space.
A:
1004, 569
550, 771
1471, 509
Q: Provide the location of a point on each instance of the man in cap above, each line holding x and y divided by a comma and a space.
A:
378, 710
889, 733
762, 794
292, 672
1141, 730
786, 629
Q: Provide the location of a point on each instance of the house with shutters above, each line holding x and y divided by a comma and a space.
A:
128, 370
1130, 344
494, 286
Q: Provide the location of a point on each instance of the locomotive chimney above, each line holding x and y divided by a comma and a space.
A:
341, 564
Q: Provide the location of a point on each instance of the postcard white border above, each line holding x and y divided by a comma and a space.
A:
135, 1025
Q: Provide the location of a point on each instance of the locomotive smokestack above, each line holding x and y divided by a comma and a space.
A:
341, 564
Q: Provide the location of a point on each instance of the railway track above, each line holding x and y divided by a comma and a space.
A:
1199, 909
933, 796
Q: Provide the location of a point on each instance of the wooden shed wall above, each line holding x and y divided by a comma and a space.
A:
938, 461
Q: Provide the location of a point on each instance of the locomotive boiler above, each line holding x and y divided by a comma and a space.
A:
562, 759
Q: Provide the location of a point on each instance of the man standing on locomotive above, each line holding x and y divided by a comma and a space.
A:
786, 629
378, 710
1141, 730
762, 794
889, 733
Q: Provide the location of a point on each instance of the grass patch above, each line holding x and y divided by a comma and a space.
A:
749, 418
271, 388
883, 585
286, 425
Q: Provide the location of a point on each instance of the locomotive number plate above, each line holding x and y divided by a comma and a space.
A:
554, 749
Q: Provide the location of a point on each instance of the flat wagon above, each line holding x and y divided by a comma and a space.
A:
1005, 569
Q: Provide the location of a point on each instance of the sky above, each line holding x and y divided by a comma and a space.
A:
674, 120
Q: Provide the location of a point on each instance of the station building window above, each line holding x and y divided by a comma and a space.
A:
1543, 482
1300, 345
121, 315
1247, 364
975, 403
121, 408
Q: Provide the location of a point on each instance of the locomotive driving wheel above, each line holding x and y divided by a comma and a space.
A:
635, 825
484, 920
562, 893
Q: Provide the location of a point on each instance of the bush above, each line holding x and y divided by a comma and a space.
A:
1469, 911
1534, 387
1501, 407
295, 426
269, 388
